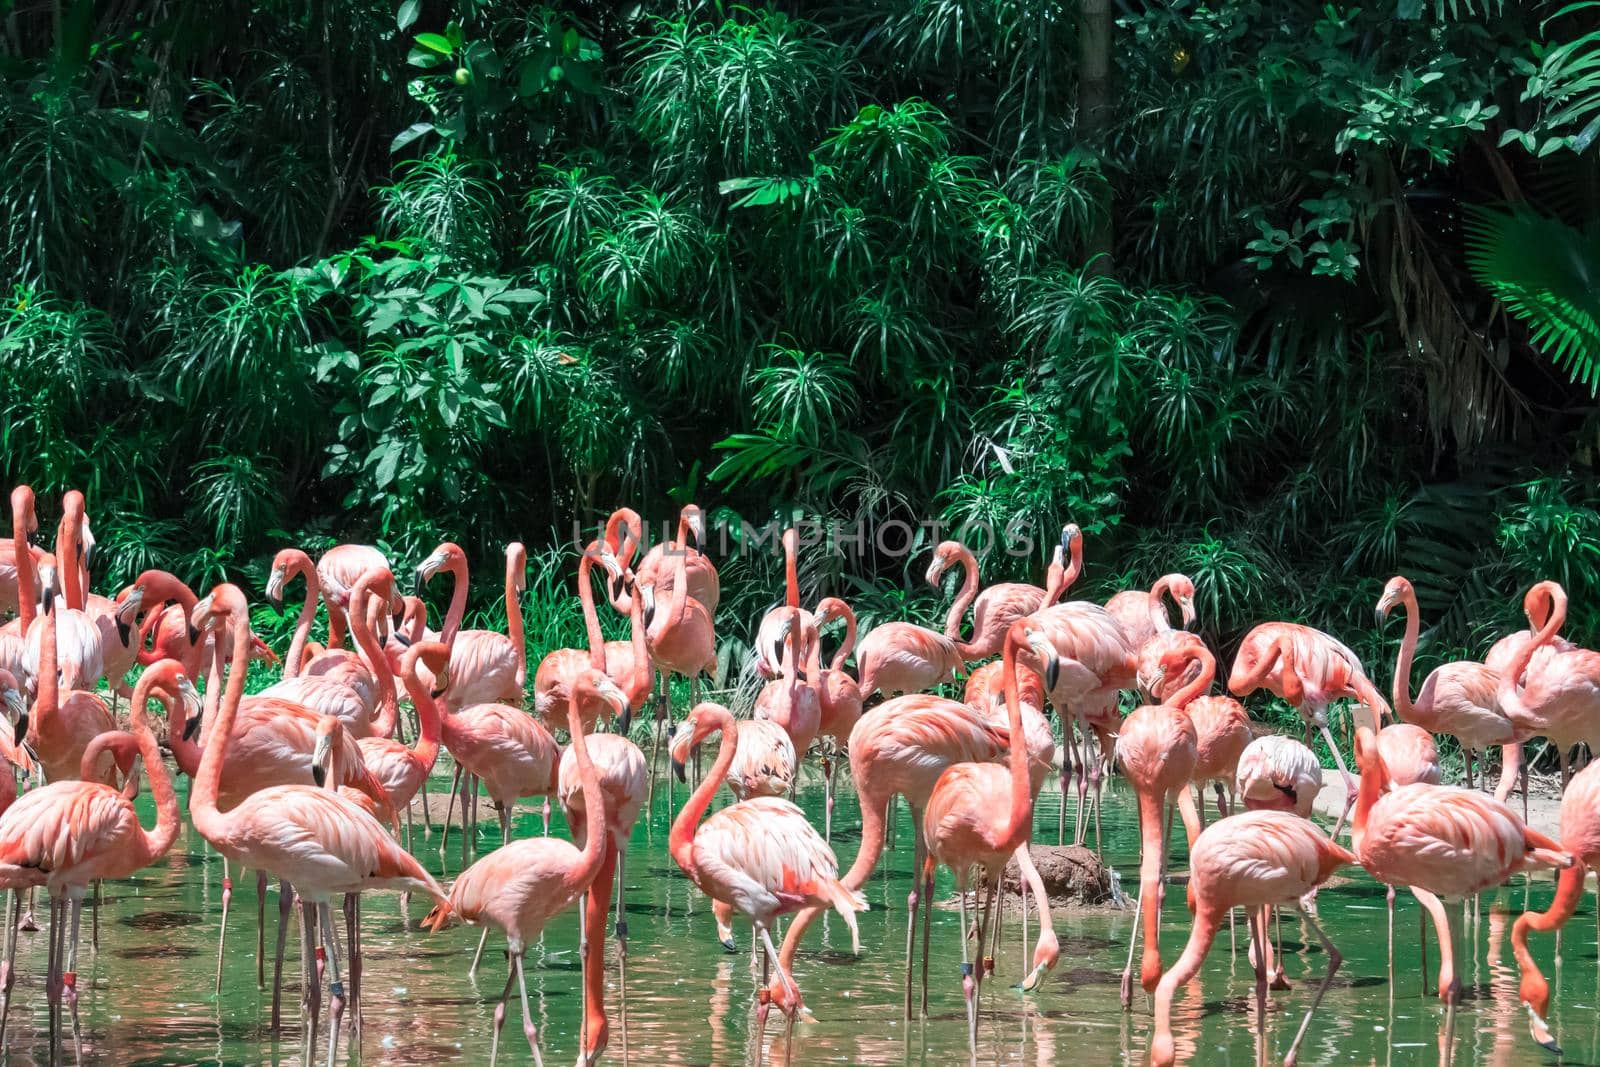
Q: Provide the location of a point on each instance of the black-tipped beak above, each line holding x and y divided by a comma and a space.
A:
678, 771
88, 556
277, 603
20, 729
437, 693
729, 946
649, 615
124, 632
194, 635
191, 727
319, 776
625, 720
799, 674
419, 580
402, 638
1052, 673
49, 601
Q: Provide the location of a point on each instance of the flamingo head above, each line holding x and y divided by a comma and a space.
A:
322, 750
15, 704
446, 555
1182, 587
1045, 955
129, 602
704, 720
597, 685
433, 655
696, 520
1393, 593
1028, 631
942, 557
86, 544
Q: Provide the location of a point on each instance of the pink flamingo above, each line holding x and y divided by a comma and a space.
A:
996, 608
485, 665
313, 838
306, 673
511, 753
979, 814
520, 886
1539, 602
1558, 693
681, 636
116, 651
1457, 699
337, 572
774, 628
902, 657
71, 833
1324, 670
1159, 749
1279, 774
759, 855
841, 701
1144, 614
80, 655
900, 748
624, 779
1255, 860
1221, 725
29, 564
1096, 662
1066, 565
793, 700
1440, 841
63, 724
401, 770
625, 535
1580, 837
553, 678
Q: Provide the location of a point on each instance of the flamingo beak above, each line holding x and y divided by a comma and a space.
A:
275, 591
402, 638
625, 719
678, 770
127, 612
1541, 1030
191, 727
19, 729
319, 775
441, 682
610, 562
189, 696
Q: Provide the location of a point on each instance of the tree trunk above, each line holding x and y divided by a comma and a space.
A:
1094, 92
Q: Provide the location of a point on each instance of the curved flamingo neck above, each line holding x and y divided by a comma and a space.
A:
964, 597
681, 841
1201, 684
47, 693
642, 671
69, 560
185, 752
791, 572
516, 567
27, 581
591, 620
623, 535
203, 793
1508, 691
1401, 687
1374, 779
160, 838
849, 616
680, 574
1535, 991
458, 600
596, 839
428, 716
383, 723
301, 565
1019, 822
1158, 604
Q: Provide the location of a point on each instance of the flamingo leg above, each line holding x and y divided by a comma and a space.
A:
69, 979
449, 809
1066, 776
336, 998
477, 957
94, 917
285, 907
1422, 933
53, 975
505, 822
500, 1012
352, 906
913, 902
927, 932
1449, 986
1389, 898
528, 1029
985, 962
827, 804
622, 953
1334, 959
8, 974
1279, 982
1256, 920
261, 929
1133, 942
310, 975
968, 986
222, 932
1349, 782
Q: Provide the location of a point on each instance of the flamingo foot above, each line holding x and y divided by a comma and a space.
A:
28, 924
1541, 1030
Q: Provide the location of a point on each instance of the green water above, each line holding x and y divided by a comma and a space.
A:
147, 994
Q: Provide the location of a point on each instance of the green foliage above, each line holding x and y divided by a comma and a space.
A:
482, 272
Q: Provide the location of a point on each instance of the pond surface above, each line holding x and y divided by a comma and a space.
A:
147, 994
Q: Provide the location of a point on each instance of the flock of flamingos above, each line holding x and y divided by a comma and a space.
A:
305, 781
